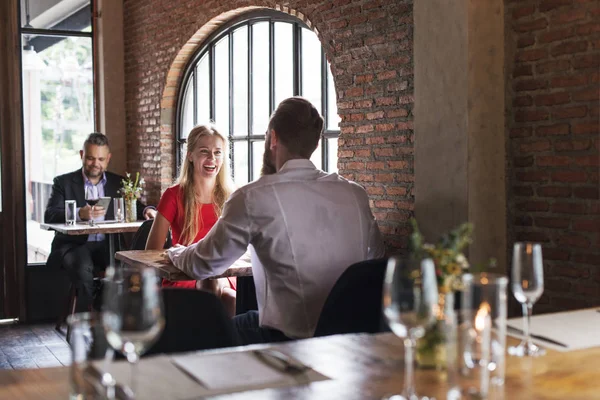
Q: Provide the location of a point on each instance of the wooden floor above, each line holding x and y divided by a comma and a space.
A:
32, 346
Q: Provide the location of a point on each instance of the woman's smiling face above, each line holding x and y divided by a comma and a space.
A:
207, 158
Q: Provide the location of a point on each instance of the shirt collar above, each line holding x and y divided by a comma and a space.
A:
87, 182
297, 163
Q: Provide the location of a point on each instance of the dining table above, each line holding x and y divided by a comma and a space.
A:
109, 228
351, 366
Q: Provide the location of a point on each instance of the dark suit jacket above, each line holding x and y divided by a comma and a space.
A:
71, 187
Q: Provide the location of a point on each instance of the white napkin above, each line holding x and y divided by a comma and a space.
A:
577, 329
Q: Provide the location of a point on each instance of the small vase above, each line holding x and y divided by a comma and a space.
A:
130, 210
434, 347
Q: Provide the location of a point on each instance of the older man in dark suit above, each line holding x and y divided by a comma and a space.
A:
82, 255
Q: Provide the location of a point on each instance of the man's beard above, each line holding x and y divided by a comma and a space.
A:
268, 167
94, 173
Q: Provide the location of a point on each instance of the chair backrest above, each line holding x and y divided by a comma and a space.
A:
194, 320
141, 237
354, 303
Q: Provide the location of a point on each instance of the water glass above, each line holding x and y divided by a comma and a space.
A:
88, 344
70, 212
481, 338
119, 209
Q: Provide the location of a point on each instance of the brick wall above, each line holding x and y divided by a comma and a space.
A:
369, 46
554, 50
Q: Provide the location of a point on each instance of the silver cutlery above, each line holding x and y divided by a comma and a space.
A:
280, 361
539, 337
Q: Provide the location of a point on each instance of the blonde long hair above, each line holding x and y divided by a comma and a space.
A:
223, 186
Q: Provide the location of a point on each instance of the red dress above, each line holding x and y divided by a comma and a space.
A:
171, 207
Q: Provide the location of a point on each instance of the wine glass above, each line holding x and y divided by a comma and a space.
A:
410, 305
133, 312
527, 286
92, 198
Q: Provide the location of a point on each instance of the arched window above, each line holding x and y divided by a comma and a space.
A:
240, 75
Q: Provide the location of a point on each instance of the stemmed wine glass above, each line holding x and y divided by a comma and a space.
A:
133, 312
92, 198
527, 286
410, 305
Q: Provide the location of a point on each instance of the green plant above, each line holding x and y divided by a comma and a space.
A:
132, 189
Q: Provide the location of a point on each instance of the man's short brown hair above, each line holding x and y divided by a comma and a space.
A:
298, 125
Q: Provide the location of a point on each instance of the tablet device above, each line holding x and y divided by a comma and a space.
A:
104, 202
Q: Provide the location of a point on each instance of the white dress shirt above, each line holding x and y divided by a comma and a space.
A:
304, 228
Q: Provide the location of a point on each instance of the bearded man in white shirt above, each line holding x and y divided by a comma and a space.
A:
303, 226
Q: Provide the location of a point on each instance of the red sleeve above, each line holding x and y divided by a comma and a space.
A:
167, 206
179, 284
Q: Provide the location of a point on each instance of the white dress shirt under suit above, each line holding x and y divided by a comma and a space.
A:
304, 228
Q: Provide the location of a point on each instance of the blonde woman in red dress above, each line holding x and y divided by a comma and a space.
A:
193, 205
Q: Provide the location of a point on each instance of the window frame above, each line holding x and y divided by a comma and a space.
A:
208, 48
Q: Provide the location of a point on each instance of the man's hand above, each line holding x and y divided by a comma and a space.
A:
85, 213
150, 213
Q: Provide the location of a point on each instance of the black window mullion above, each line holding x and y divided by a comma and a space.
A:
250, 103
324, 104
231, 108
194, 88
298, 60
212, 83
271, 67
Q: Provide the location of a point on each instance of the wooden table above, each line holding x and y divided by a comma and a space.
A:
166, 269
107, 228
365, 367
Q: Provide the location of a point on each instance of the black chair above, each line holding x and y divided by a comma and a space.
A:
354, 303
141, 237
194, 320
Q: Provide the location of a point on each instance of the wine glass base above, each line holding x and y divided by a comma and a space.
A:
403, 397
523, 350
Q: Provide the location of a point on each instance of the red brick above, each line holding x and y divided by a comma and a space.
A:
552, 161
401, 164
557, 34
523, 220
362, 153
560, 223
588, 29
354, 92
568, 81
569, 112
364, 129
533, 206
546, 5
386, 75
532, 237
568, 48
385, 101
384, 152
375, 191
589, 225
522, 162
396, 190
522, 70
572, 145
384, 178
533, 176
593, 259
375, 115
375, 140
530, 84
552, 130
586, 61
588, 160
587, 95
523, 11
523, 101
552, 99
574, 241
535, 146
531, 115
569, 176
569, 16
384, 127
406, 99
345, 154
587, 192
531, 54
552, 66
399, 112
570, 272
366, 78
569, 208
374, 165
534, 25
525, 41
384, 204
555, 254
554, 191
523, 191
407, 125
520, 132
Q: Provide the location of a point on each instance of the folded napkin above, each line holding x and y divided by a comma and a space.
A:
576, 329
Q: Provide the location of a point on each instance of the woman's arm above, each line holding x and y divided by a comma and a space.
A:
158, 233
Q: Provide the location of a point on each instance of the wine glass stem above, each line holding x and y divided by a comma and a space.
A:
409, 381
133, 359
527, 310
92, 216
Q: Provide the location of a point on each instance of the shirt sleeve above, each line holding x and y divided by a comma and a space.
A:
222, 246
167, 206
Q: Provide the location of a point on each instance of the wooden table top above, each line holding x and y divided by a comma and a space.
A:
166, 269
86, 229
362, 367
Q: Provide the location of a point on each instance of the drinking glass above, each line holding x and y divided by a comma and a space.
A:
133, 312
70, 211
527, 286
88, 349
410, 305
92, 198
119, 208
